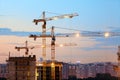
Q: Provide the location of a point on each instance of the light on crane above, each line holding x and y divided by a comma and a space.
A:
77, 34
106, 34
61, 45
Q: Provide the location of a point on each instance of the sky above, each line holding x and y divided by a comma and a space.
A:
94, 15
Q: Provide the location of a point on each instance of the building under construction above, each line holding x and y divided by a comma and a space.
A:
49, 71
21, 68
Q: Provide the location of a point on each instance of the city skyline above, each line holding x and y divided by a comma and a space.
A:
77, 70
96, 16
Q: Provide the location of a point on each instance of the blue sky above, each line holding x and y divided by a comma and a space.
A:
93, 14
16, 17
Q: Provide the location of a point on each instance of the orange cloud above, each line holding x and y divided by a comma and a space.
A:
67, 54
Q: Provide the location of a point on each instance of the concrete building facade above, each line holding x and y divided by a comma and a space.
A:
21, 68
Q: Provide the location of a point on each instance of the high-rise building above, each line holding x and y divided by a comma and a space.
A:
3, 70
21, 68
91, 70
65, 71
109, 69
100, 68
82, 71
72, 72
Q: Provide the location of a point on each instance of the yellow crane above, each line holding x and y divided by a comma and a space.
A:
44, 35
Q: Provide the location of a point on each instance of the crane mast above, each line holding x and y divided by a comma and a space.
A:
52, 44
44, 38
43, 35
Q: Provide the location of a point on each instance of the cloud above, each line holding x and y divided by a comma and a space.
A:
109, 43
103, 44
114, 29
96, 47
113, 32
8, 32
96, 41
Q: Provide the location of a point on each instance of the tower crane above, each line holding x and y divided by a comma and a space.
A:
25, 47
44, 36
52, 44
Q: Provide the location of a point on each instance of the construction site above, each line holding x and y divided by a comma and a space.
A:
60, 40
28, 68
